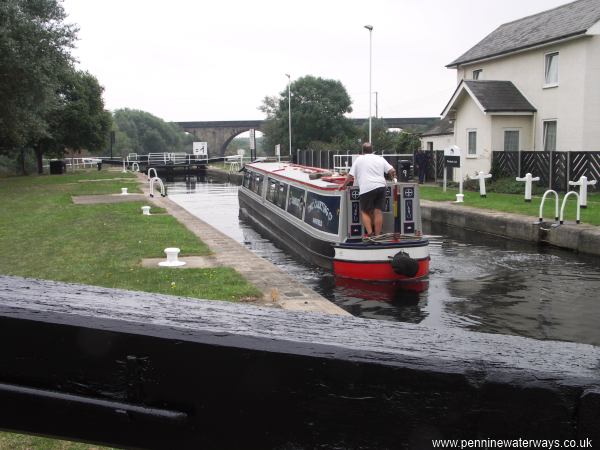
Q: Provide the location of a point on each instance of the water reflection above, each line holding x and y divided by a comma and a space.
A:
477, 282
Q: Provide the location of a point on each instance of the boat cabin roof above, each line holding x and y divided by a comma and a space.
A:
312, 176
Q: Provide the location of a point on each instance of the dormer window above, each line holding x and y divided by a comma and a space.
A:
551, 70
477, 74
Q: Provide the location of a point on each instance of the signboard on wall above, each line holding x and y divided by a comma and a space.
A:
200, 148
452, 156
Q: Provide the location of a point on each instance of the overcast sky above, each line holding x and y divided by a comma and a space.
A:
188, 60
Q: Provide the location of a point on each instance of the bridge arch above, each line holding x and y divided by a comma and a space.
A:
219, 134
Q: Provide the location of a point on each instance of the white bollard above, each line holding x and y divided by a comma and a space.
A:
146, 210
124, 191
481, 177
528, 179
124, 167
583, 183
460, 198
172, 261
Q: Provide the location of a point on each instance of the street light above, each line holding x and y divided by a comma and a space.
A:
289, 112
370, 28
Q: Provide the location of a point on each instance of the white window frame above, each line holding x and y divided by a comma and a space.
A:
479, 73
469, 154
518, 130
544, 122
551, 83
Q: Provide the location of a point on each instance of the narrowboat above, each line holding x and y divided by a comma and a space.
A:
304, 210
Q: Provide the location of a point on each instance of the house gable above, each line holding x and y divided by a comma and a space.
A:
569, 21
491, 97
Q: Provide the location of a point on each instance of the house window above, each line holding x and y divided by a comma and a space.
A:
472, 139
551, 70
550, 135
477, 74
430, 145
511, 140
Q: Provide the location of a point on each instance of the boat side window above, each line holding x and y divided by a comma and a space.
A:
282, 196
247, 179
295, 205
323, 212
272, 190
257, 182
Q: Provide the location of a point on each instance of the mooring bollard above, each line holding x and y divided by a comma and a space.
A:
146, 210
124, 191
583, 183
528, 179
481, 177
172, 261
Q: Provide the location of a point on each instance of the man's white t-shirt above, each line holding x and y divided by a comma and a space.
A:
368, 171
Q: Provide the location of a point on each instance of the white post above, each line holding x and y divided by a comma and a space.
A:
289, 112
481, 177
124, 191
445, 177
583, 183
370, 28
124, 167
528, 179
460, 196
146, 210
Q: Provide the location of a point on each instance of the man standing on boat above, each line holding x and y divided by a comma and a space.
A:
369, 171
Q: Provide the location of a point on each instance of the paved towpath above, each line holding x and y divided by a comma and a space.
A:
279, 288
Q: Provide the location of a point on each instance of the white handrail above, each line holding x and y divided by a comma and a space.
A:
562, 208
162, 186
133, 167
155, 174
549, 191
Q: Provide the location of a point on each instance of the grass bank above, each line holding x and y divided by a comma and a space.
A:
44, 235
514, 203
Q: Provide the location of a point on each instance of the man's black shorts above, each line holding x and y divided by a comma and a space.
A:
371, 200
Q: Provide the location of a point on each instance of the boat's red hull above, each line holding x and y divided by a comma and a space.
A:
376, 270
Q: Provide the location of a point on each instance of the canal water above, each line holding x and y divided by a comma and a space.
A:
477, 282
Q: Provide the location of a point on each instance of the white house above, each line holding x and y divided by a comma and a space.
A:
532, 84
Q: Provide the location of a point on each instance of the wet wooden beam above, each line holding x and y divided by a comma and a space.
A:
134, 369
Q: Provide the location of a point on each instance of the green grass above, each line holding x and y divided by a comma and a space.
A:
51, 238
514, 203
44, 235
14, 441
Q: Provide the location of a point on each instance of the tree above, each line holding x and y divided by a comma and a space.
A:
78, 119
141, 132
318, 108
35, 48
385, 140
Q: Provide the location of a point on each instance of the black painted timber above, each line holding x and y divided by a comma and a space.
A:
140, 370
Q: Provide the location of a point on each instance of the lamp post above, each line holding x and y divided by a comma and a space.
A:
289, 112
370, 28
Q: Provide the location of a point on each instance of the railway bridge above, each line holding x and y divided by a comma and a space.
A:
218, 134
